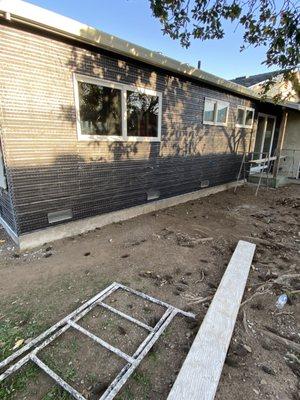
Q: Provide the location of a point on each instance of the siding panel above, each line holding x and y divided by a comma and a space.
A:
51, 170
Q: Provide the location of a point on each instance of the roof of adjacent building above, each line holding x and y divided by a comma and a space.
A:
29, 14
252, 80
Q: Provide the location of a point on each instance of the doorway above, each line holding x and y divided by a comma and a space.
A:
264, 136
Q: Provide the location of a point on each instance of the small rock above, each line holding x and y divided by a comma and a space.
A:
267, 369
47, 255
48, 248
125, 256
263, 382
88, 253
242, 350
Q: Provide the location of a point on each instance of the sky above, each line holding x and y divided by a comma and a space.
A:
132, 20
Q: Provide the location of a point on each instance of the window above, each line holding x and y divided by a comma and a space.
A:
245, 117
113, 111
215, 112
99, 109
142, 114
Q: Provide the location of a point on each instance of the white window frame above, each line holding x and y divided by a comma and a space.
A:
243, 125
214, 122
123, 88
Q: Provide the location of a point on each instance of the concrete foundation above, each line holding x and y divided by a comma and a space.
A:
270, 181
73, 228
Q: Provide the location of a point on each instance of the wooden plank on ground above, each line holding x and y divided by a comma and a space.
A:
201, 371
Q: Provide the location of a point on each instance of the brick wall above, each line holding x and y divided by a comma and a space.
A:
50, 170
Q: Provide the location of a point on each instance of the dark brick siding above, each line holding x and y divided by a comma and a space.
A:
50, 170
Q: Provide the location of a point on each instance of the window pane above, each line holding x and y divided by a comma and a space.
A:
249, 117
209, 110
222, 112
142, 114
240, 116
100, 110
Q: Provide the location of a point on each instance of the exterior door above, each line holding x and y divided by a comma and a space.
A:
264, 136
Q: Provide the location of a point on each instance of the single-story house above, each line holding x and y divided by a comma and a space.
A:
95, 129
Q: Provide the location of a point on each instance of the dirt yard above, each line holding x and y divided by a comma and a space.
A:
176, 255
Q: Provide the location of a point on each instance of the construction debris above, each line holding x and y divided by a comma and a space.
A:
36, 345
203, 366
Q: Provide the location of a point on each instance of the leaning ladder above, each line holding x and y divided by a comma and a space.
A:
265, 163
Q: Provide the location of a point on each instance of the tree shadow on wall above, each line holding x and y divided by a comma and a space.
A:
183, 135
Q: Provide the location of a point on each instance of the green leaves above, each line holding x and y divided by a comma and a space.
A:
265, 22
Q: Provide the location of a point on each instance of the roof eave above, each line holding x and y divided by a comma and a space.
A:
47, 20
29, 14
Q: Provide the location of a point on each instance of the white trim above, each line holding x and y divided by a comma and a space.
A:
266, 116
72, 228
244, 118
123, 88
217, 102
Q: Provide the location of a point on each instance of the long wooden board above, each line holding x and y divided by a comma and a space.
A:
201, 371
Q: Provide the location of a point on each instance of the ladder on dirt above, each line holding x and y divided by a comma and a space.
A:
249, 165
30, 351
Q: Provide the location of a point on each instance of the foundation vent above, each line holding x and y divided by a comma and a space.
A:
58, 216
204, 184
153, 194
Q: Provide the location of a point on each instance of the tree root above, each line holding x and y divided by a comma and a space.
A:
194, 299
286, 342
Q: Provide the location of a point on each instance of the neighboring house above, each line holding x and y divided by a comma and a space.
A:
289, 164
91, 124
288, 90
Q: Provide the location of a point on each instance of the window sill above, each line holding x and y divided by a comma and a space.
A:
215, 123
95, 138
244, 126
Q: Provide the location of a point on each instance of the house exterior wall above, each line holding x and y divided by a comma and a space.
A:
49, 169
290, 165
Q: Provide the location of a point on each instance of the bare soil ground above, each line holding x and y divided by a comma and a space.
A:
174, 254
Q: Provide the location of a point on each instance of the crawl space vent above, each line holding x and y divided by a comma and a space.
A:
153, 194
204, 184
61, 215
